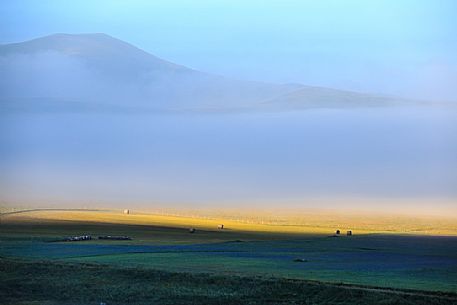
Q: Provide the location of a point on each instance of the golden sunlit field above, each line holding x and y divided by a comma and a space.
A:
320, 222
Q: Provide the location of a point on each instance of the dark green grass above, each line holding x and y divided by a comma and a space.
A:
388, 261
437, 279
45, 282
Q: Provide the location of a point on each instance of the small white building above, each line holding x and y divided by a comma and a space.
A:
126, 211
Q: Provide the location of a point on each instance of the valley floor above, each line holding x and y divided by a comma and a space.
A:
164, 263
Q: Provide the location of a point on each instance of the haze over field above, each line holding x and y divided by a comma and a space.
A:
90, 120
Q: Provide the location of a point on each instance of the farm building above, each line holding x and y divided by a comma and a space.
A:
191, 230
109, 237
78, 238
220, 227
126, 211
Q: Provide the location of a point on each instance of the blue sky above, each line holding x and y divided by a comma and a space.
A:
403, 48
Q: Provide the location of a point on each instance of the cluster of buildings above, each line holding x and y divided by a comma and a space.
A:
88, 237
78, 238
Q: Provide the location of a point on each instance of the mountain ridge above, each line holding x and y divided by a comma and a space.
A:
100, 69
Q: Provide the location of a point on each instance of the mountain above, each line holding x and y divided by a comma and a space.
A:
97, 71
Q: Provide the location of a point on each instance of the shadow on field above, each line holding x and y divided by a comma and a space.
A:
44, 282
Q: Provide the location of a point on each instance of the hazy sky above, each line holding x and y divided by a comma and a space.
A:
395, 47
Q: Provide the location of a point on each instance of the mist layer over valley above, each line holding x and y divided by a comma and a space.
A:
85, 159
88, 120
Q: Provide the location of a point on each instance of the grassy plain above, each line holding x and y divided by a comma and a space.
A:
421, 269
298, 222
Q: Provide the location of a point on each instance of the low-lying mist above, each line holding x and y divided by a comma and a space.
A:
193, 160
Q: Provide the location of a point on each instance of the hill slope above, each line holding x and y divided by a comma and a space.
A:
96, 72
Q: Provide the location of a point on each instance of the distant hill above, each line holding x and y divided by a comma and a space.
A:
318, 97
94, 72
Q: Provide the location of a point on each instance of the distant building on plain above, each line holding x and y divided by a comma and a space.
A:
126, 211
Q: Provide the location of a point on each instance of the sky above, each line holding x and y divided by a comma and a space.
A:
405, 48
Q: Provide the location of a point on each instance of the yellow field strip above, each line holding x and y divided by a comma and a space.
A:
359, 226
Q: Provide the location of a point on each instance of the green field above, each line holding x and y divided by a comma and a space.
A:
168, 265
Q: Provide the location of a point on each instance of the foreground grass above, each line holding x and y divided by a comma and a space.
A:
44, 282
